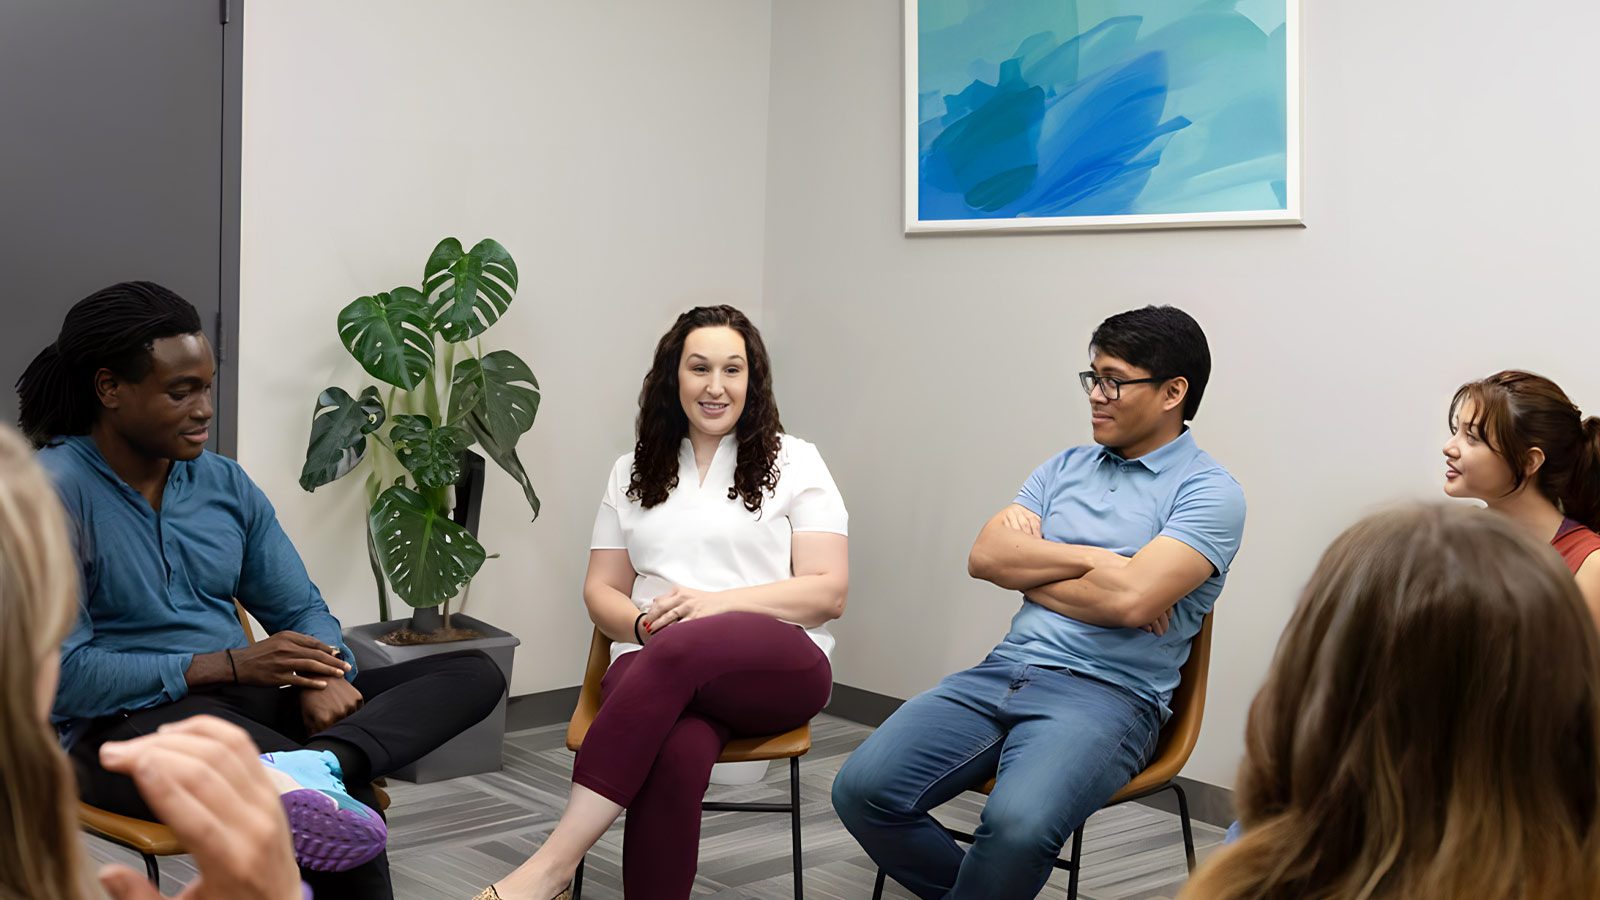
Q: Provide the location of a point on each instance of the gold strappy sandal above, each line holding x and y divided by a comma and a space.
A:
489, 893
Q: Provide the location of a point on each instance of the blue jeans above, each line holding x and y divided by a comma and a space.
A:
1062, 745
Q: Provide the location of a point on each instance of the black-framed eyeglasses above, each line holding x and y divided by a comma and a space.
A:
1111, 388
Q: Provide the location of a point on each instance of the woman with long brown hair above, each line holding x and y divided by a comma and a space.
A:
1429, 728
718, 556
198, 775
1520, 445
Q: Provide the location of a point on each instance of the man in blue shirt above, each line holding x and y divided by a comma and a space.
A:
1120, 549
168, 536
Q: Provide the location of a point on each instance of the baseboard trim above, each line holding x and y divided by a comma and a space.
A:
544, 708
1208, 803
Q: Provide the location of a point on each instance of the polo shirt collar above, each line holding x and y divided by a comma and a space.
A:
728, 444
178, 476
1179, 449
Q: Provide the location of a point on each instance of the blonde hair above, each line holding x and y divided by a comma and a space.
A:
1429, 728
39, 843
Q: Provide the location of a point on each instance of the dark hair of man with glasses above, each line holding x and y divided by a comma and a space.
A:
1119, 549
1165, 342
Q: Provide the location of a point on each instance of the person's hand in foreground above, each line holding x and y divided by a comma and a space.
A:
203, 778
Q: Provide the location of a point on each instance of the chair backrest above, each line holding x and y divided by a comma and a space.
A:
1188, 705
589, 694
244, 621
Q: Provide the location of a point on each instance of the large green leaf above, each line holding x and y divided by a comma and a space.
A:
432, 455
390, 335
426, 557
501, 389
496, 399
339, 428
474, 287
505, 456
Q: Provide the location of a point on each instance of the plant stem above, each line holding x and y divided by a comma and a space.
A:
383, 440
372, 552
466, 592
438, 498
431, 388
450, 369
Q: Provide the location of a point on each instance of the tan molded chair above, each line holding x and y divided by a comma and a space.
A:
153, 839
1177, 741
790, 745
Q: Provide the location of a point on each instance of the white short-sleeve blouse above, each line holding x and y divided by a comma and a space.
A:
700, 539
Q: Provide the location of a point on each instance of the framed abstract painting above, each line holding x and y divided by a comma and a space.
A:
1099, 114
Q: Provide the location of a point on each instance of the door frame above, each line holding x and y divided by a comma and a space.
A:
232, 15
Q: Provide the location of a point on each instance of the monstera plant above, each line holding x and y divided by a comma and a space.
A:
439, 394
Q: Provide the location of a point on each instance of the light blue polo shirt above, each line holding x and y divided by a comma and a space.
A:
1089, 495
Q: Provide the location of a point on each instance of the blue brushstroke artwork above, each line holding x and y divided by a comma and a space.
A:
1072, 109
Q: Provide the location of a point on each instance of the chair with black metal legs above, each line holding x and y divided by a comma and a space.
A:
1177, 742
790, 745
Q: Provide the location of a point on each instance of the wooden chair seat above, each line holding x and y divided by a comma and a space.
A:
144, 838
796, 742
777, 746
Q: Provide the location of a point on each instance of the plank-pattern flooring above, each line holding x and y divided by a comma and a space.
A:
448, 840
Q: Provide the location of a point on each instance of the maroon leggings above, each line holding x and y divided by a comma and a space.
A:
667, 711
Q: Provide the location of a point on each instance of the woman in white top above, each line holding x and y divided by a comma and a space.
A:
719, 554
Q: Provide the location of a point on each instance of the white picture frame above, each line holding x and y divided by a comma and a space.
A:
939, 218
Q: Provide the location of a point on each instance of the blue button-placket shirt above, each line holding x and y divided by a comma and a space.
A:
159, 587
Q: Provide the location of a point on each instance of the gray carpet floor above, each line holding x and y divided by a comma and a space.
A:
449, 839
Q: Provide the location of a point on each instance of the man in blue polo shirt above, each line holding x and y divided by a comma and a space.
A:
1120, 549
168, 536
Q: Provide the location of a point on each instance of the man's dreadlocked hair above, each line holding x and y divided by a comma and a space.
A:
113, 328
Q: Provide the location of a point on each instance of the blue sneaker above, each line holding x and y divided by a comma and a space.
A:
332, 830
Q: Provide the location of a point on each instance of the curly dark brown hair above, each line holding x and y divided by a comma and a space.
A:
662, 424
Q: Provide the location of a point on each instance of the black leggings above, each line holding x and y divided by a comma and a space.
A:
409, 709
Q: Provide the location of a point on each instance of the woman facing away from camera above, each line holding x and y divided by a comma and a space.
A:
1429, 728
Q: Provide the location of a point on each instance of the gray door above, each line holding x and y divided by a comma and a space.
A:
112, 148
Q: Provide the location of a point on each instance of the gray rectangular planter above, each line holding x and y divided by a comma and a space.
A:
472, 752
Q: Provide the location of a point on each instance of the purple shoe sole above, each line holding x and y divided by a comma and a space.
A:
328, 838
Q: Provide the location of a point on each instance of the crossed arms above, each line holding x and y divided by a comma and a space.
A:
1090, 584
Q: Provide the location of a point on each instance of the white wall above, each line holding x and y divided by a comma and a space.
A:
622, 151
1450, 233
618, 149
